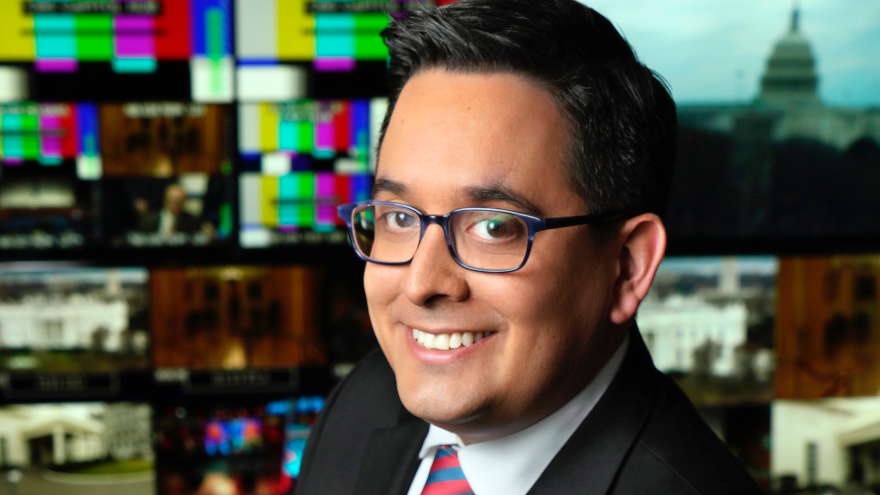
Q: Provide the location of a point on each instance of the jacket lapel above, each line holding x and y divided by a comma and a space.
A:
392, 458
590, 460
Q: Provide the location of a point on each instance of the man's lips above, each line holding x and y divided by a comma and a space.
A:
447, 340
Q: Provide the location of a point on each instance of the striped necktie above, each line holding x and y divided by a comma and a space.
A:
446, 476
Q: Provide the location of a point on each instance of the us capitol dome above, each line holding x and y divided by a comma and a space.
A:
790, 76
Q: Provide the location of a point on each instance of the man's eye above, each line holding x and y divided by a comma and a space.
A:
496, 228
401, 220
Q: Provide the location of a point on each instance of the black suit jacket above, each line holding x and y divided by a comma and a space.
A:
643, 436
186, 223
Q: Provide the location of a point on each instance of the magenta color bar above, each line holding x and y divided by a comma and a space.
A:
56, 64
325, 136
334, 64
325, 195
50, 138
133, 36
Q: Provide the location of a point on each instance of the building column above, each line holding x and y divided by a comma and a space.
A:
59, 449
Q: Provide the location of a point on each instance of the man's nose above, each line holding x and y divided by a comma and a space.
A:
433, 274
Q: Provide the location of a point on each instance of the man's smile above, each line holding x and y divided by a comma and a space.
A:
447, 341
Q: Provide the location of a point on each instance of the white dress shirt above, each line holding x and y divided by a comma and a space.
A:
510, 465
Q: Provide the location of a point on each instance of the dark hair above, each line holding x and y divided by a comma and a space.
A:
621, 116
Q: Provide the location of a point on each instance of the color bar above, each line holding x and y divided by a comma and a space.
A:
326, 201
87, 125
268, 200
342, 132
55, 42
11, 135
296, 30
94, 37
134, 48
287, 198
16, 37
51, 135
368, 44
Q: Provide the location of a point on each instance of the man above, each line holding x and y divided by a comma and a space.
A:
508, 342
172, 218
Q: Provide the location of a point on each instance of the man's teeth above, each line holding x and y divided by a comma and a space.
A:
446, 341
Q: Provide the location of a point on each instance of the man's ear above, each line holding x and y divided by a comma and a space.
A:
640, 247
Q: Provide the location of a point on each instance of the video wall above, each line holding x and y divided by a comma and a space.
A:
177, 296
146, 125
165, 167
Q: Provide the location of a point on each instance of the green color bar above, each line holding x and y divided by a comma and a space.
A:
214, 21
368, 43
224, 230
30, 126
306, 134
94, 37
305, 216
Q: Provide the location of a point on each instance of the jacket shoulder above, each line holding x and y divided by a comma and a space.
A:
677, 453
364, 401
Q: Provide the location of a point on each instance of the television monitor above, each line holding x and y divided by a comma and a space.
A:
299, 160
245, 445
827, 324
827, 443
167, 174
331, 35
73, 319
49, 161
96, 447
154, 49
708, 322
237, 317
779, 143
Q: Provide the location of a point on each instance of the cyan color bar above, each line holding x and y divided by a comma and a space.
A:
334, 35
134, 65
55, 35
13, 141
287, 192
215, 42
288, 135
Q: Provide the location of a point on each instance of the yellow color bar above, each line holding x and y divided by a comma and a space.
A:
269, 121
269, 195
17, 40
296, 31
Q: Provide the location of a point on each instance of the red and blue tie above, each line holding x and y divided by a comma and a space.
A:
446, 476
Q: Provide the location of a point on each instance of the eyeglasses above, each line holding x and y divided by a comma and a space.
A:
481, 239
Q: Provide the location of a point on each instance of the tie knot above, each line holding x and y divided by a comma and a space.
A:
446, 476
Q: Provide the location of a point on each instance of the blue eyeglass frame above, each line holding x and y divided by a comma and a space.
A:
533, 223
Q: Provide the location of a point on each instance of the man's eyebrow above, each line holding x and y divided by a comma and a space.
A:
503, 194
387, 185
477, 194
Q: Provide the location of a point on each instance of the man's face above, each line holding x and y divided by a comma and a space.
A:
174, 199
496, 140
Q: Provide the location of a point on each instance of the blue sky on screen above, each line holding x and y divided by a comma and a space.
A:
715, 51
711, 265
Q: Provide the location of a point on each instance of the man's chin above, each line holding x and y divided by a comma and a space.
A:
437, 409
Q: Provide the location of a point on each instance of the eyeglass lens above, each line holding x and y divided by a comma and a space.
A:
483, 239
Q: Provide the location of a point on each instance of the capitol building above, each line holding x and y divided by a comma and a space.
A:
784, 165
